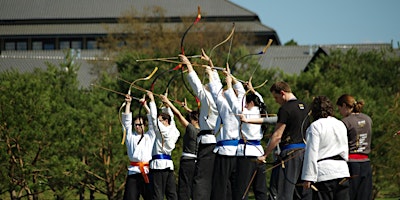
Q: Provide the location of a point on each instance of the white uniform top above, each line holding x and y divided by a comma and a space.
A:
251, 132
138, 152
326, 137
169, 133
208, 111
230, 121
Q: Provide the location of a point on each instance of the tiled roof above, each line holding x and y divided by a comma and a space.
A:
290, 59
58, 18
295, 59
89, 9
27, 61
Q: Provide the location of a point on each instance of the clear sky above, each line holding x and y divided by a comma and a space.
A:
310, 22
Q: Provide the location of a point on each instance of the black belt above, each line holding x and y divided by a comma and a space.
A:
337, 157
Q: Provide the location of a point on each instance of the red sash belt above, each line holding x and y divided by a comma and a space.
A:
141, 166
358, 156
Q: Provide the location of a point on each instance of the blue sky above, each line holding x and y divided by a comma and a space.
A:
311, 22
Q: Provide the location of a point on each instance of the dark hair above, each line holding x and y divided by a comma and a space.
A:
321, 107
194, 115
251, 97
257, 102
140, 118
350, 102
280, 86
165, 116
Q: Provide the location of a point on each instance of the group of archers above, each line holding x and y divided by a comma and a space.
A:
316, 156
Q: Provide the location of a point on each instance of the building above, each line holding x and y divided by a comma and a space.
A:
77, 24
35, 32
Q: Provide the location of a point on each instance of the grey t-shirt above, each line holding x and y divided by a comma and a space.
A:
189, 139
359, 132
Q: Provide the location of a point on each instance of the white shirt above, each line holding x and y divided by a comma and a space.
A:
138, 152
208, 111
230, 121
248, 131
169, 133
326, 137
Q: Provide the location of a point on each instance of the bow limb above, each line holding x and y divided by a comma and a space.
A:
224, 41
170, 81
158, 76
183, 53
120, 121
262, 84
142, 79
187, 30
254, 54
158, 95
113, 91
166, 58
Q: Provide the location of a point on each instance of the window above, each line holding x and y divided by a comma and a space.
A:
64, 44
37, 45
22, 46
10, 46
48, 46
91, 44
76, 45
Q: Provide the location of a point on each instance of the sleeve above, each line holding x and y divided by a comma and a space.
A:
195, 83
215, 76
240, 91
153, 114
215, 89
127, 122
270, 120
151, 127
233, 101
310, 166
170, 136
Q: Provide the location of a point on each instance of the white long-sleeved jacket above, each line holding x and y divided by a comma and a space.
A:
326, 137
230, 121
251, 132
169, 133
208, 111
138, 152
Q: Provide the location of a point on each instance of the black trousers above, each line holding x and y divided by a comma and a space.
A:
273, 184
136, 187
247, 167
202, 181
163, 184
361, 180
185, 181
331, 190
290, 175
224, 178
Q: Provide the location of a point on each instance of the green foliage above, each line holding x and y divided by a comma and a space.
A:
375, 78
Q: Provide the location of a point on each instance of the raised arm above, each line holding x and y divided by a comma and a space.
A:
230, 95
153, 109
175, 111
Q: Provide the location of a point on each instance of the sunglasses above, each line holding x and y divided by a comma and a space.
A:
138, 124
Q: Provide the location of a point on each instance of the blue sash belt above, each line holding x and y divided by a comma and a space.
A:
294, 146
228, 143
251, 142
162, 156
